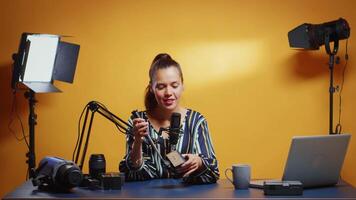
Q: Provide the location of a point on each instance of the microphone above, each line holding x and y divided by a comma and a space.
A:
148, 137
174, 129
175, 158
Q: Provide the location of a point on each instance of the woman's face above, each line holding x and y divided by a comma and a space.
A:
167, 87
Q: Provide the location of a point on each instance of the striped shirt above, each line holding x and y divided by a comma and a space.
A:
194, 139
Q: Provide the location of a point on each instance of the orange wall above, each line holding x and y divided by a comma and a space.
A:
239, 72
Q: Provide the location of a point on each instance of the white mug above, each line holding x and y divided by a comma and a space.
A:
241, 175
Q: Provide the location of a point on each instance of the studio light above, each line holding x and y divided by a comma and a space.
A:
41, 58
311, 36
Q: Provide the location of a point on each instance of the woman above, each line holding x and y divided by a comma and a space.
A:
162, 98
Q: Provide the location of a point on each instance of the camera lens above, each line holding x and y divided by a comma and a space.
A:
96, 165
69, 176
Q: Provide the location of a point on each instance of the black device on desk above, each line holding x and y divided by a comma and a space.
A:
98, 178
285, 188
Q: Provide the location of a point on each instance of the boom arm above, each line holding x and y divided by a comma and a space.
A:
96, 107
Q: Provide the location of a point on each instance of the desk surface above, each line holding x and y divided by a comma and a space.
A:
174, 189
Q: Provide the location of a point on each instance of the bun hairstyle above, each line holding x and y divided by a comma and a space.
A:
161, 61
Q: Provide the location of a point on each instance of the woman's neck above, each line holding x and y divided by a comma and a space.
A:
164, 115
161, 118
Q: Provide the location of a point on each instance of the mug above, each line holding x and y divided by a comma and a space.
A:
241, 175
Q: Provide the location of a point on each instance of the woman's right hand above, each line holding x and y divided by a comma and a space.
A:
140, 128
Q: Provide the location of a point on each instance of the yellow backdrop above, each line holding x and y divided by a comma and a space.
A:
239, 72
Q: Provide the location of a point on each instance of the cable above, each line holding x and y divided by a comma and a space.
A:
121, 130
14, 111
78, 135
87, 106
111, 117
338, 128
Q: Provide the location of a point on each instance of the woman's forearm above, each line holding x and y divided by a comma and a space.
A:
136, 153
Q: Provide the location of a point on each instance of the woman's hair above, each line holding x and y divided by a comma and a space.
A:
161, 61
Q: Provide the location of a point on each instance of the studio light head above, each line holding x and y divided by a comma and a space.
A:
42, 58
312, 36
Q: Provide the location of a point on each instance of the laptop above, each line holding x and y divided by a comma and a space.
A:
316, 161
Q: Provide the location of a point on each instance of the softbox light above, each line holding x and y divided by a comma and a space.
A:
42, 58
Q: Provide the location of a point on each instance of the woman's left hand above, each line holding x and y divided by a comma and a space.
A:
193, 163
